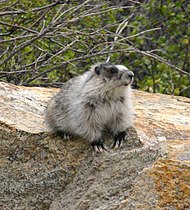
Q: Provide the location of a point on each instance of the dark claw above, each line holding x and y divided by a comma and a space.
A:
98, 145
64, 135
118, 139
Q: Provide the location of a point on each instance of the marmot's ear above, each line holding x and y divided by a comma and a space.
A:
97, 70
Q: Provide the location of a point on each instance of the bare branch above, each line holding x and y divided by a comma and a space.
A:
17, 38
119, 30
143, 32
151, 55
47, 6
12, 12
17, 26
14, 72
75, 33
74, 60
23, 45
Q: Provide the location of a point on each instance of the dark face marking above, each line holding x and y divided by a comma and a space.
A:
113, 70
118, 75
110, 71
107, 70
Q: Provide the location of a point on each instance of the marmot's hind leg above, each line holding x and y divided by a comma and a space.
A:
64, 135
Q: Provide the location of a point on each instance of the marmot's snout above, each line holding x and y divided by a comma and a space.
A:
130, 74
127, 76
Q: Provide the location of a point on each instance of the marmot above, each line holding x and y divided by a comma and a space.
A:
88, 104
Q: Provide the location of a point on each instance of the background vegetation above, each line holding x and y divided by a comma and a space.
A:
46, 42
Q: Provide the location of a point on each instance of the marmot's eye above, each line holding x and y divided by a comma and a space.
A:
113, 70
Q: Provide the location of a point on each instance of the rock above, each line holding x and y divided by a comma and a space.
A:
41, 171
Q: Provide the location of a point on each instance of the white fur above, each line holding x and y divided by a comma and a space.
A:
89, 105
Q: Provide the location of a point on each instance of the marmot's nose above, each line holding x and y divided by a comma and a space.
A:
130, 74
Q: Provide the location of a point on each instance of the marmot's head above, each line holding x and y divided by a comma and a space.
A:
115, 74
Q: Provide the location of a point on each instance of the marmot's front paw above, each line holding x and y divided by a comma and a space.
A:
118, 139
64, 135
98, 145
